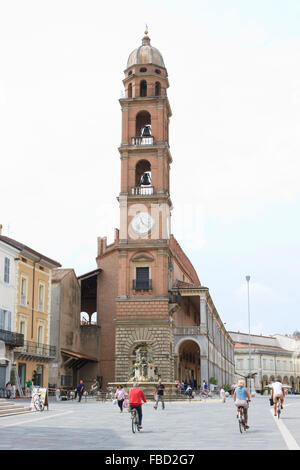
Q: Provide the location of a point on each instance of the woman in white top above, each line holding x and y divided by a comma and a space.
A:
277, 393
120, 396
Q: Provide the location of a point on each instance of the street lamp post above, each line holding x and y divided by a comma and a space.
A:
249, 341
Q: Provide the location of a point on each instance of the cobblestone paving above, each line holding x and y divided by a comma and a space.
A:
182, 425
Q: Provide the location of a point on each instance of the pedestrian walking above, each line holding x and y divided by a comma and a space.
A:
189, 391
159, 395
79, 390
120, 396
13, 391
28, 387
8, 390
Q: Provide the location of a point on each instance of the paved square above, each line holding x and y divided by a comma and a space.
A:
182, 425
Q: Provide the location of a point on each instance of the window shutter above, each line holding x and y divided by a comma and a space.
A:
1, 319
8, 321
6, 269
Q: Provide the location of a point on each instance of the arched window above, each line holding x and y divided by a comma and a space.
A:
158, 71
143, 118
142, 173
157, 89
129, 90
143, 69
143, 88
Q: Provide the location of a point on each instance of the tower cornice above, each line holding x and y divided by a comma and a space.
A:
140, 99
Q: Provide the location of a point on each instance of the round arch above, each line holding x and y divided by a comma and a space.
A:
265, 380
188, 361
142, 170
142, 119
285, 380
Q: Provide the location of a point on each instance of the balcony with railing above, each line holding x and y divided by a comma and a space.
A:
142, 191
11, 338
30, 349
189, 331
144, 140
142, 284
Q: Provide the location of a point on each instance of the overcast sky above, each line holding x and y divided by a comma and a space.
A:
234, 72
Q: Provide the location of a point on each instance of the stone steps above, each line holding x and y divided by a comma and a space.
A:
8, 408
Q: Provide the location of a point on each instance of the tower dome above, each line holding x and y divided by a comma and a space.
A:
145, 54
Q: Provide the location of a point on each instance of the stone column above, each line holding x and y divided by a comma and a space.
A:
203, 318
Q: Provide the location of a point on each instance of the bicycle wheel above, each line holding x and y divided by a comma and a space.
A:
241, 421
241, 426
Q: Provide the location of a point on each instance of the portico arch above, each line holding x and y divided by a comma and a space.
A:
265, 380
188, 361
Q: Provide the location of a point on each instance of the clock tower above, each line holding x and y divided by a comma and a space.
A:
138, 292
145, 207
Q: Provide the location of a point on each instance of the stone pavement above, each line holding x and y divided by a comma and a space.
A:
182, 425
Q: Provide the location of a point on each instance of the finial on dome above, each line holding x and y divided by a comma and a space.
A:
146, 39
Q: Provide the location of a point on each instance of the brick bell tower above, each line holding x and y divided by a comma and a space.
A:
142, 321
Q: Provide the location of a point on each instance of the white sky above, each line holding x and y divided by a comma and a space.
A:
234, 72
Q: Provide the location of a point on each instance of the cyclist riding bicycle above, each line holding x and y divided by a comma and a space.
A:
136, 395
277, 393
241, 398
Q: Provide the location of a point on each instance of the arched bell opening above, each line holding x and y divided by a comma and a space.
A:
129, 91
143, 173
157, 89
188, 369
143, 124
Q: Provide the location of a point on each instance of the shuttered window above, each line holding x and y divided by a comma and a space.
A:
6, 270
142, 278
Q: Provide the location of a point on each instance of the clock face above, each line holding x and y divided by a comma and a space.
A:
142, 223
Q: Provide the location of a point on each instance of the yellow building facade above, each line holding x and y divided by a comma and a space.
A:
32, 319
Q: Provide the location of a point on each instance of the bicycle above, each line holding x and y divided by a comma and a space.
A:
278, 407
134, 421
241, 418
37, 401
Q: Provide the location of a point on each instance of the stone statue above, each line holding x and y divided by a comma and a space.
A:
143, 369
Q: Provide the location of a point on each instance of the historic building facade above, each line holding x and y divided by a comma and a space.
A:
155, 317
32, 312
76, 341
271, 357
9, 339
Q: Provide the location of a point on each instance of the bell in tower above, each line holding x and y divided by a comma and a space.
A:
146, 131
146, 179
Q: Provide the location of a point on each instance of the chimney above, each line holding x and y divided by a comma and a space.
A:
102, 241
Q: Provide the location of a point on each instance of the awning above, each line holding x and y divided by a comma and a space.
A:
76, 360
